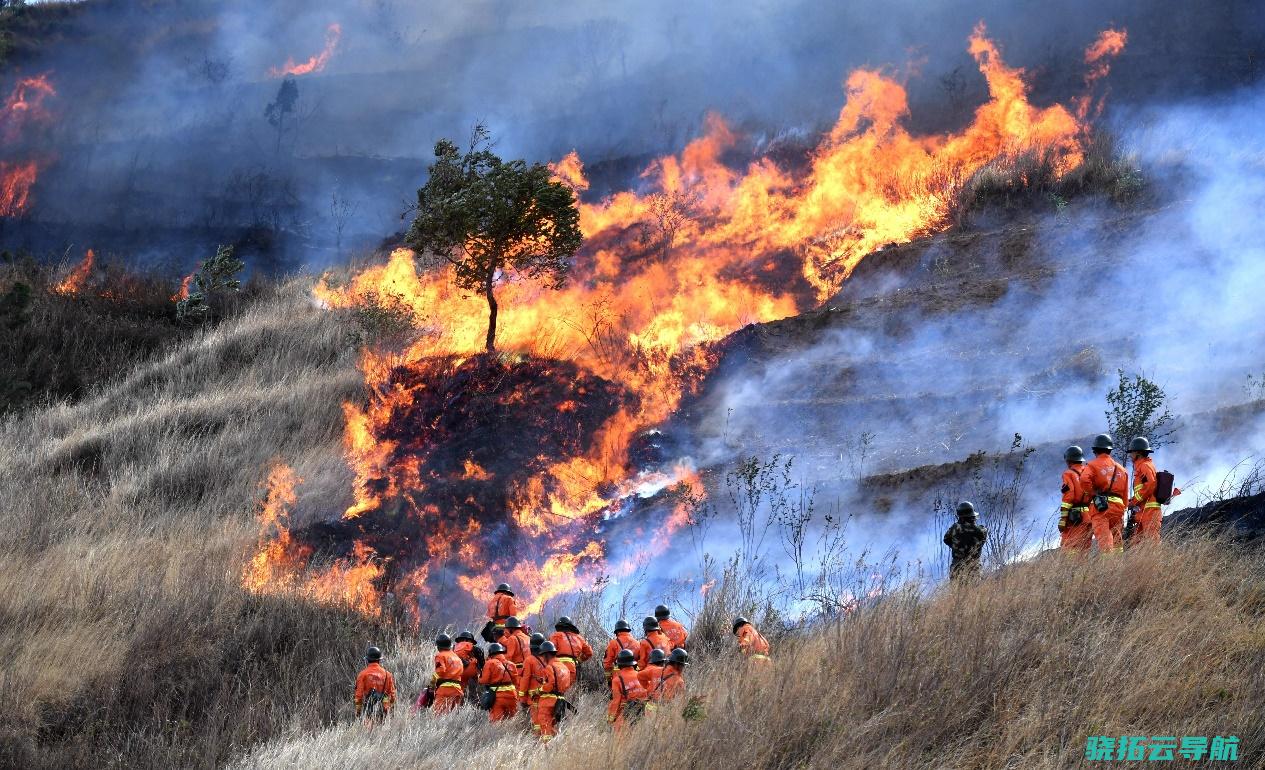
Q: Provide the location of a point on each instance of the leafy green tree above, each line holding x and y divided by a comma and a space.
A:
1138, 407
216, 275
487, 216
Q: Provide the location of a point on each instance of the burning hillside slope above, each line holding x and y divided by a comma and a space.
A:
700, 250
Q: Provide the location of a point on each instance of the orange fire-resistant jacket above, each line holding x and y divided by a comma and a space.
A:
500, 607
1073, 492
498, 673
655, 640
1143, 484
625, 687
752, 643
469, 663
533, 668
622, 641
517, 647
1096, 478
448, 668
649, 674
675, 631
668, 683
375, 677
572, 647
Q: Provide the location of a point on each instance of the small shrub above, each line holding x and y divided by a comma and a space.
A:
1138, 407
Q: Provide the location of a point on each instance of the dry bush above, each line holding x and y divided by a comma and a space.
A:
1030, 181
1014, 671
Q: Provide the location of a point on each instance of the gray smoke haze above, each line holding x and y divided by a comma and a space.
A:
1168, 290
162, 147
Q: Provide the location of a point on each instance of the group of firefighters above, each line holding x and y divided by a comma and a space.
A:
1096, 496
533, 672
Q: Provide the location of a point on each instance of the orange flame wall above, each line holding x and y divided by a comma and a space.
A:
701, 250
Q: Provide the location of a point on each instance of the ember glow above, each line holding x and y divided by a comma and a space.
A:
699, 250
183, 293
315, 63
77, 278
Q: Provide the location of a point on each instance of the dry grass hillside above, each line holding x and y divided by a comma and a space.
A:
1014, 671
126, 637
128, 641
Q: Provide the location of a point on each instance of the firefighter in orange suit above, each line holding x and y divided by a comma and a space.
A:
573, 648
653, 668
628, 697
502, 606
447, 679
623, 642
675, 630
549, 685
669, 682
516, 643
654, 639
1148, 513
532, 666
375, 688
1106, 479
464, 647
500, 676
1075, 531
750, 641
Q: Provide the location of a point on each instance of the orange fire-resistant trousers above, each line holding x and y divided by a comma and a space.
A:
1077, 537
1108, 527
542, 721
447, 698
1148, 525
505, 706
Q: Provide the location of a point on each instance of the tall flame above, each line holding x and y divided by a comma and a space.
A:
699, 251
23, 107
281, 563
74, 281
15, 186
316, 63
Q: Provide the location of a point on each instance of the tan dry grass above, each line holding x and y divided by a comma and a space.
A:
1015, 671
124, 631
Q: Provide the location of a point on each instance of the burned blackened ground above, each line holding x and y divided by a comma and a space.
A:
471, 433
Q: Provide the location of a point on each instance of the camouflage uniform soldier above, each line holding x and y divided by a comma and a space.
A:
965, 539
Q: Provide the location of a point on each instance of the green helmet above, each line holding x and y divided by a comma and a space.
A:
649, 624
658, 657
504, 588
625, 658
537, 639
1140, 444
662, 612
547, 648
622, 625
1074, 454
679, 657
966, 509
566, 624
373, 654
1102, 443
513, 622
739, 622
496, 648
465, 636
443, 642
